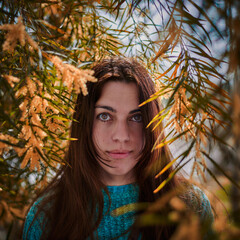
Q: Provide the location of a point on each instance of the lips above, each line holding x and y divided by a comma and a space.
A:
119, 154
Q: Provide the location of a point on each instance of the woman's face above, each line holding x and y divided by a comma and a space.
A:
118, 132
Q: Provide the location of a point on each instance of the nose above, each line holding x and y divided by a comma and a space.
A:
121, 132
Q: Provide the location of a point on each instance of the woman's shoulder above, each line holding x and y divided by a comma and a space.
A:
197, 201
35, 221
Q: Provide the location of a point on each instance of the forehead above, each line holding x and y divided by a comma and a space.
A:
120, 94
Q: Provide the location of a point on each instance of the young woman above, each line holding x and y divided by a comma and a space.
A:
110, 165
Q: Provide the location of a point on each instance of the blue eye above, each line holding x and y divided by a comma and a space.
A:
137, 118
104, 117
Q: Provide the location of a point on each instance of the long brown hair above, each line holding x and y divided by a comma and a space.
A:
75, 194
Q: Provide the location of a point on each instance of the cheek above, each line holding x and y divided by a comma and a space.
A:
95, 134
98, 134
142, 143
139, 137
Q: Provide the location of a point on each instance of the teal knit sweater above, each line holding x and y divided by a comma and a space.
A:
115, 226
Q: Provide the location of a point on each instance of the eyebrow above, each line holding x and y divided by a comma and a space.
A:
114, 110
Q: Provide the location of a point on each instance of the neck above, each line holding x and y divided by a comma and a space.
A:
117, 181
